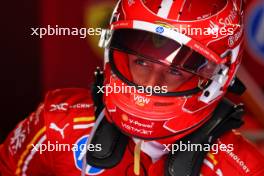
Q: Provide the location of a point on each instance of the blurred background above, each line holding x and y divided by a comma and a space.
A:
31, 66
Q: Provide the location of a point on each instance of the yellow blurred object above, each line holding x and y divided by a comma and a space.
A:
97, 15
137, 158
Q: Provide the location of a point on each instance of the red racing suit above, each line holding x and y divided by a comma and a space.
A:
63, 123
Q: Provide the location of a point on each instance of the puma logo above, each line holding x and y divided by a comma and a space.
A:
60, 130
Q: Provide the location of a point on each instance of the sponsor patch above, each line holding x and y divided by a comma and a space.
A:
159, 30
78, 158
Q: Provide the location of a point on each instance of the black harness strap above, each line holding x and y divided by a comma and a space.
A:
225, 118
96, 94
113, 142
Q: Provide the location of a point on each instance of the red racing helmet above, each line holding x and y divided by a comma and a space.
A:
169, 62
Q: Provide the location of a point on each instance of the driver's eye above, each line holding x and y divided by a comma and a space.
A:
141, 62
175, 71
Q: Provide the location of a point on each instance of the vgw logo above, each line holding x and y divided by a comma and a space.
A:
140, 100
255, 28
78, 155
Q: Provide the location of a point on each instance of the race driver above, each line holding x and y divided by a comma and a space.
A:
135, 132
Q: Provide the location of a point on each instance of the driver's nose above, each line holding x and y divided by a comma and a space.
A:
155, 78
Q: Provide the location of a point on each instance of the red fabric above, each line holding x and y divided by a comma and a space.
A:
63, 107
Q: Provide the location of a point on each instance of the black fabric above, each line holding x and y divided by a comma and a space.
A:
225, 117
96, 94
113, 144
237, 87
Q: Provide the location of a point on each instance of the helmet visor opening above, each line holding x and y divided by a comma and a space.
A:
149, 59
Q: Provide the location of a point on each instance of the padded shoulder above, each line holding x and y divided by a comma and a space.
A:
66, 110
69, 96
244, 157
